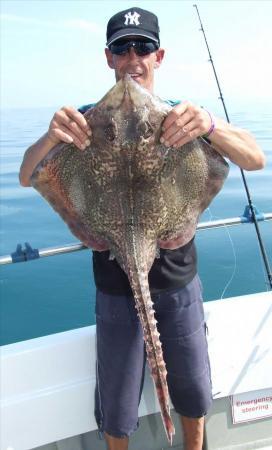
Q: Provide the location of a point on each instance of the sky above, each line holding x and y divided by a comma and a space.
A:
52, 51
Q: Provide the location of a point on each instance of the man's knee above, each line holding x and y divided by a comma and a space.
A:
193, 399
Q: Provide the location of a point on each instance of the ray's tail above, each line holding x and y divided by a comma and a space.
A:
138, 277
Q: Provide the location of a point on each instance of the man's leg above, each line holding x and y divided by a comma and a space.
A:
120, 368
193, 432
114, 443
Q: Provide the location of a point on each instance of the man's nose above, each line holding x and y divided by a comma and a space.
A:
132, 54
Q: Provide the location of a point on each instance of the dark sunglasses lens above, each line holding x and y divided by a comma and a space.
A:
144, 48
140, 48
119, 49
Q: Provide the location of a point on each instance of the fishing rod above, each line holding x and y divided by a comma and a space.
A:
250, 204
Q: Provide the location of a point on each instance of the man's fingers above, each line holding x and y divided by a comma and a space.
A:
174, 115
64, 134
76, 130
71, 122
180, 125
193, 134
184, 123
75, 116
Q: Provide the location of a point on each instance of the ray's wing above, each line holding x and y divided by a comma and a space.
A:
58, 178
197, 173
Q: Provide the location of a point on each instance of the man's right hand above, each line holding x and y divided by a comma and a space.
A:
68, 125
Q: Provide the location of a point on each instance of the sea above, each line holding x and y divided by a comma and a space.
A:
57, 293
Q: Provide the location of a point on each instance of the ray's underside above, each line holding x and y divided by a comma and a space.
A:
129, 193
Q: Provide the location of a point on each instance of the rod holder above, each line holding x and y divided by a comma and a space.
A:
26, 254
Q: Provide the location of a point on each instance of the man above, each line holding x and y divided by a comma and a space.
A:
133, 46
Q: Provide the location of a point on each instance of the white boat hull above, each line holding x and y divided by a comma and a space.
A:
47, 383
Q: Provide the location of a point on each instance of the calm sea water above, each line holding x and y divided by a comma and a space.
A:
56, 294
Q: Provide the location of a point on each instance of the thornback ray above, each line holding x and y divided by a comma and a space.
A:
130, 194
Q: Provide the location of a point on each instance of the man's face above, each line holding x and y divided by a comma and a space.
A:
140, 68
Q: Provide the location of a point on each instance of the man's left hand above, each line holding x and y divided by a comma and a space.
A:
184, 123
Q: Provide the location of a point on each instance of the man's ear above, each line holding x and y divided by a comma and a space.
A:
109, 57
159, 58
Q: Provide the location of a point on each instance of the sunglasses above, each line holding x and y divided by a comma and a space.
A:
141, 48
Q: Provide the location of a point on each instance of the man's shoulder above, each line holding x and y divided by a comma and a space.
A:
172, 102
85, 108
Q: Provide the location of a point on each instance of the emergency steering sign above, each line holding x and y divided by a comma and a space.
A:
251, 405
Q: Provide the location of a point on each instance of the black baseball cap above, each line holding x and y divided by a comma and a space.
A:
133, 22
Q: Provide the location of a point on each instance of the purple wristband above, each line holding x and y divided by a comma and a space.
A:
212, 127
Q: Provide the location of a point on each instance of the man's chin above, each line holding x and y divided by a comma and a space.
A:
139, 79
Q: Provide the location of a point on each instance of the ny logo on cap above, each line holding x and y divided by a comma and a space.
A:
132, 19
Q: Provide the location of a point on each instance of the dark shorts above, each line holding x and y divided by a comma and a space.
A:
121, 357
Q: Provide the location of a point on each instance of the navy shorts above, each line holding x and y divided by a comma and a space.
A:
121, 356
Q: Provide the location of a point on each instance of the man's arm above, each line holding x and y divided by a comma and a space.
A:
186, 122
68, 125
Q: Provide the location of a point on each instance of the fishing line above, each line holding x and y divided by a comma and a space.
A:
212, 217
225, 226
251, 207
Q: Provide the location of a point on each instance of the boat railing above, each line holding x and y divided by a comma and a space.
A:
28, 253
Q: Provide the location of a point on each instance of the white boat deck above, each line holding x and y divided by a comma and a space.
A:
47, 383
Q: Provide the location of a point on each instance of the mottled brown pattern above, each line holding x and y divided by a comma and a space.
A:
128, 193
